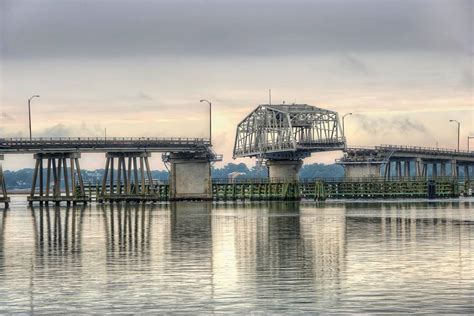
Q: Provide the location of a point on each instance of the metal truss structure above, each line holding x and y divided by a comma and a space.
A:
288, 132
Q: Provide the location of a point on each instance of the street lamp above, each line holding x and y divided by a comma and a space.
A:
29, 111
210, 119
468, 140
459, 129
343, 127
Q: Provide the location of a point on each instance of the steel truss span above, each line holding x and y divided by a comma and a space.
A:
288, 132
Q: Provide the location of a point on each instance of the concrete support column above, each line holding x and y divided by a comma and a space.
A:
435, 170
466, 172
443, 169
418, 167
3, 188
408, 168
283, 170
454, 168
424, 172
190, 177
398, 168
387, 170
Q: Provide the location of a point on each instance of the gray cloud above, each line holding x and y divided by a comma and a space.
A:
215, 28
354, 65
5, 117
62, 130
399, 124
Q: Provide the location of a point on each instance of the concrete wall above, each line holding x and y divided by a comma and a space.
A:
284, 169
190, 180
362, 170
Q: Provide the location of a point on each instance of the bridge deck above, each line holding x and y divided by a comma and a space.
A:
98, 144
394, 152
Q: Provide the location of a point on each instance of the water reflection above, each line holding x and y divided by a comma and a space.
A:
57, 229
238, 257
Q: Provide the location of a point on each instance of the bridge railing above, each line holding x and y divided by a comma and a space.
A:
60, 140
425, 149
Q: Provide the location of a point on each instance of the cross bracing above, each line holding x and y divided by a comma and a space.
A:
287, 132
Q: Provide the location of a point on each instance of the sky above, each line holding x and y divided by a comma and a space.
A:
139, 68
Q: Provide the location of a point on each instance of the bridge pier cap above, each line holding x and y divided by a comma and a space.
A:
287, 133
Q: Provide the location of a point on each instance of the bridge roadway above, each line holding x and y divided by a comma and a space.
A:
127, 166
97, 144
399, 161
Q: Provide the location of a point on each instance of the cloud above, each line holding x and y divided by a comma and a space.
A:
398, 124
5, 117
62, 130
143, 96
105, 29
354, 65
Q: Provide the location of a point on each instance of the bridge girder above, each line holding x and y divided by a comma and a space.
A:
288, 132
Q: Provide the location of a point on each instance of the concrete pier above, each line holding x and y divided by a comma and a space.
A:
3, 189
362, 170
190, 177
287, 170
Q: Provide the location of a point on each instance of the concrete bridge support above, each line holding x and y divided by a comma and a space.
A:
284, 170
454, 168
362, 170
3, 188
59, 173
127, 177
190, 177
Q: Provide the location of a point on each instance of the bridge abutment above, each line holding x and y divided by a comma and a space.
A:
61, 169
3, 188
190, 177
286, 170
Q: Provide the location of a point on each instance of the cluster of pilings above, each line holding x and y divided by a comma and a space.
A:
127, 178
421, 168
131, 181
62, 169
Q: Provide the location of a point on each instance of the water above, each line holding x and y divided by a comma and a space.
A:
261, 257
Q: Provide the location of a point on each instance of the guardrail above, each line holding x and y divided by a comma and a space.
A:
425, 149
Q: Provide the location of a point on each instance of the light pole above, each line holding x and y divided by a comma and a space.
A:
210, 119
343, 126
468, 140
29, 111
459, 129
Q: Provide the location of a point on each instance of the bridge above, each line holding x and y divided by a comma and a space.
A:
396, 161
127, 167
283, 135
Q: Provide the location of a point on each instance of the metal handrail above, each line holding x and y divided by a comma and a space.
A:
422, 148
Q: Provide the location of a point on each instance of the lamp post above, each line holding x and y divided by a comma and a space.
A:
468, 140
210, 119
459, 129
29, 111
343, 126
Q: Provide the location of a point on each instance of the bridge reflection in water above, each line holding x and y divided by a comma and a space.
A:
268, 256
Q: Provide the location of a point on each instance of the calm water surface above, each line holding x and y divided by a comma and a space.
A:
260, 257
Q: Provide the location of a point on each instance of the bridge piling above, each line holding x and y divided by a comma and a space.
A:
57, 168
3, 188
131, 181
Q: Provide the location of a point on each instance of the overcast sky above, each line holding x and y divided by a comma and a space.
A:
139, 68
